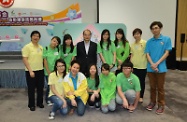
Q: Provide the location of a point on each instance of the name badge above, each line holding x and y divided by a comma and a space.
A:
55, 53
38, 50
118, 46
65, 55
60, 80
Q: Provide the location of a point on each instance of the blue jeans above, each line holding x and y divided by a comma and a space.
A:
80, 106
57, 105
47, 90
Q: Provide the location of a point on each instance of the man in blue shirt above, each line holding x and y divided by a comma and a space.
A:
157, 50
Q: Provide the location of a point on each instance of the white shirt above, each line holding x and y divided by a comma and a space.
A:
86, 45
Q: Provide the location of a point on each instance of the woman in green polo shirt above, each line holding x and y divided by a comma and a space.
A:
93, 90
107, 89
67, 50
50, 54
122, 47
108, 50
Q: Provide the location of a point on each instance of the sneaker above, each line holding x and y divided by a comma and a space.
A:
150, 106
90, 106
49, 103
160, 110
51, 115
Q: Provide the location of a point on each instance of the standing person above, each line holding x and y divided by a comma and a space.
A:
33, 61
93, 87
67, 50
57, 95
128, 87
50, 54
139, 59
108, 50
107, 89
86, 52
75, 85
122, 47
157, 50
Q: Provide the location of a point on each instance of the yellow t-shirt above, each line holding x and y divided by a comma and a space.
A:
34, 55
56, 80
138, 58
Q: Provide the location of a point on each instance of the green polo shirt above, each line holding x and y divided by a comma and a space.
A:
108, 54
67, 56
51, 55
108, 87
122, 52
128, 83
91, 83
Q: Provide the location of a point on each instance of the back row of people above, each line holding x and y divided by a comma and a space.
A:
111, 53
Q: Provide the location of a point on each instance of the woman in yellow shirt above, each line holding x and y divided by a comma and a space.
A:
75, 85
56, 94
139, 60
33, 61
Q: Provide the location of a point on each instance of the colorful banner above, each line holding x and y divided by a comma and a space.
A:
16, 24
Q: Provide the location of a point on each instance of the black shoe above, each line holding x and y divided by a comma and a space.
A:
41, 106
32, 108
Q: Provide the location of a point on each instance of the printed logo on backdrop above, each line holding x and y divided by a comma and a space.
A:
6, 3
16, 24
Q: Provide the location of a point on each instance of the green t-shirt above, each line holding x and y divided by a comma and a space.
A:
91, 83
51, 55
108, 53
67, 56
121, 52
128, 83
107, 87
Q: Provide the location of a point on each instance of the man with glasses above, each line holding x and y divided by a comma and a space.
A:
128, 87
157, 50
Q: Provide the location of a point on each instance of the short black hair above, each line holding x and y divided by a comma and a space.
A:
75, 62
127, 64
137, 30
35, 32
105, 66
160, 25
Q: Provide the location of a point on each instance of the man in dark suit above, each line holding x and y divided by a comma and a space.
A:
86, 52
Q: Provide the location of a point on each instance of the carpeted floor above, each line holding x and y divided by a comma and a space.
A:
13, 106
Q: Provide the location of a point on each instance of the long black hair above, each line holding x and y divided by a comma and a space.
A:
124, 40
96, 75
58, 40
55, 67
67, 36
108, 40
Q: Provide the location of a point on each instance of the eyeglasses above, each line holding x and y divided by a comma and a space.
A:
126, 68
60, 66
155, 28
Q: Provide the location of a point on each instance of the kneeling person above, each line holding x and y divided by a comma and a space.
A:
107, 87
128, 87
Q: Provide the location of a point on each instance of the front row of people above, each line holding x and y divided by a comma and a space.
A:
71, 92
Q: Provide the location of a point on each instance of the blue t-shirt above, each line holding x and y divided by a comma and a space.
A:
156, 48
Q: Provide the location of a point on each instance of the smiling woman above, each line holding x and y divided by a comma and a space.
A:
33, 61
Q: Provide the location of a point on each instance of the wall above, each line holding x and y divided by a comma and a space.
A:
140, 13
88, 7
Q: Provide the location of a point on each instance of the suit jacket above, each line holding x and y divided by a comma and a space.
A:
84, 59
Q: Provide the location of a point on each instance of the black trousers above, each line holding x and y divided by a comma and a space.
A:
35, 83
93, 103
141, 74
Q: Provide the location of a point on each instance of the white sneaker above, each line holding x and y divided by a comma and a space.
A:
51, 115
49, 103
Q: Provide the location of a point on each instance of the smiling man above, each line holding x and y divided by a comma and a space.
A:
128, 87
157, 50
